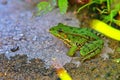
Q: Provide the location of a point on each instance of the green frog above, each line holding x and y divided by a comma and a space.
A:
83, 39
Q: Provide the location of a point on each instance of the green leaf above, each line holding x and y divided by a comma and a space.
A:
113, 13
63, 5
90, 3
43, 8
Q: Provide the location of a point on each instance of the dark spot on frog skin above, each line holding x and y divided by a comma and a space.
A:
74, 31
73, 37
82, 31
93, 31
78, 44
71, 28
68, 38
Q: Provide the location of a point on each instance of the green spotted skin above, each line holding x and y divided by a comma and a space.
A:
83, 39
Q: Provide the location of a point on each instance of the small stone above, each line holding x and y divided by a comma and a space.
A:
15, 48
16, 38
21, 35
4, 2
34, 38
6, 52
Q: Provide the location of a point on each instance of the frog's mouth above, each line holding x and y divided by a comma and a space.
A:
53, 32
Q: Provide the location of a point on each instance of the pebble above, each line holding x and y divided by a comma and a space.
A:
34, 38
15, 48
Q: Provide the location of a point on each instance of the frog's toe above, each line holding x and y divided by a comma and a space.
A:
72, 51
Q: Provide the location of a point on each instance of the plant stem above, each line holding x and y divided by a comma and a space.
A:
108, 5
85, 6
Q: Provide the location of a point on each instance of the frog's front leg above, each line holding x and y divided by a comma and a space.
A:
91, 49
72, 50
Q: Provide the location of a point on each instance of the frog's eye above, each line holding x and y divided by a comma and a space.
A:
60, 30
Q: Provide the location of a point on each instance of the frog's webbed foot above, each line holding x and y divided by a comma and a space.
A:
91, 49
72, 50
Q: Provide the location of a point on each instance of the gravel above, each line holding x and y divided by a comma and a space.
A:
23, 33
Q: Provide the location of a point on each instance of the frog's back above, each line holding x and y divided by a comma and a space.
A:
78, 31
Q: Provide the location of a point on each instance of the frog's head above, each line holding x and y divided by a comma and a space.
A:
56, 30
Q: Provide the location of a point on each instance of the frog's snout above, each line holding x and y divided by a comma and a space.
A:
51, 30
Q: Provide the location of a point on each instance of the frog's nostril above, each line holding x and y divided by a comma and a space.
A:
51, 29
